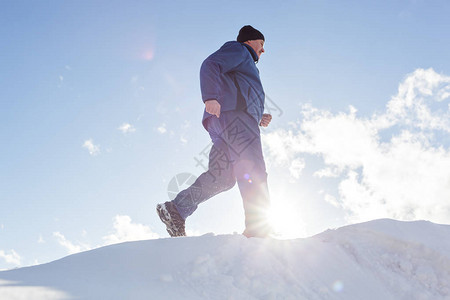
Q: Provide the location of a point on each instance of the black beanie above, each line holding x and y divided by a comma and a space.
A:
249, 33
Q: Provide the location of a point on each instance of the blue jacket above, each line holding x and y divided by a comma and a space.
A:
230, 76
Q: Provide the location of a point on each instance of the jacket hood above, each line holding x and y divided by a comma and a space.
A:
252, 52
250, 49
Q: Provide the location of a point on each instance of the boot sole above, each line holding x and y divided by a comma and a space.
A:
167, 220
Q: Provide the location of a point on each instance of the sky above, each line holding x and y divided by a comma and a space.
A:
100, 117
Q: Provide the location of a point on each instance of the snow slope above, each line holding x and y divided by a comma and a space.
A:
382, 259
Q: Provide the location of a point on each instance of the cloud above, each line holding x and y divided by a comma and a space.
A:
135, 82
162, 128
93, 149
327, 173
68, 245
183, 140
184, 132
125, 230
186, 125
127, 128
18, 291
297, 167
12, 258
41, 239
134, 79
420, 101
390, 164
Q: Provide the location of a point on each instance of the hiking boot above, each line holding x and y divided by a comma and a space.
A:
169, 215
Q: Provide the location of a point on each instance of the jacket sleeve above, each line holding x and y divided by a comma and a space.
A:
226, 59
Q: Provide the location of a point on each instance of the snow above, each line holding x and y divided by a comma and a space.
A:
381, 259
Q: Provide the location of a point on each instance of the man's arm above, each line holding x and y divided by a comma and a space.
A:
224, 60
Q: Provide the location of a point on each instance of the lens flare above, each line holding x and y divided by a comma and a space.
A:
247, 177
338, 286
148, 55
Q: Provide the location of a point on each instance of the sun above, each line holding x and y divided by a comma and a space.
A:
286, 221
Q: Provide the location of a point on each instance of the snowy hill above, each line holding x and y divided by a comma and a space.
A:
382, 259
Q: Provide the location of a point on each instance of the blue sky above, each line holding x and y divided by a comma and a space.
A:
100, 108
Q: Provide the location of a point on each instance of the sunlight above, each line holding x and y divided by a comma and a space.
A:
286, 221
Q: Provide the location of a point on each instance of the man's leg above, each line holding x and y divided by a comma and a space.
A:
242, 136
218, 178
256, 200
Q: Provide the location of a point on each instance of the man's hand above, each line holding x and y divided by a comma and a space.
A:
212, 107
265, 120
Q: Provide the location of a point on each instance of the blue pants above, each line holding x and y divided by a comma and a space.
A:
236, 155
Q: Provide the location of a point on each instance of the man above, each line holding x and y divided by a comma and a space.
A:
234, 104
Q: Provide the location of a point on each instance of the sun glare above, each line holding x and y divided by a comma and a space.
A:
285, 221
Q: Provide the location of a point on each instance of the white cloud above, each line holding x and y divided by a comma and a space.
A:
297, 167
135, 82
183, 140
186, 125
134, 79
404, 176
68, 245
11, 258
17, 291
327, 172
41, 239
184, 132
282, 145
93, 149
127, 128
332, 200
125, 230
162, 128
419, 102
